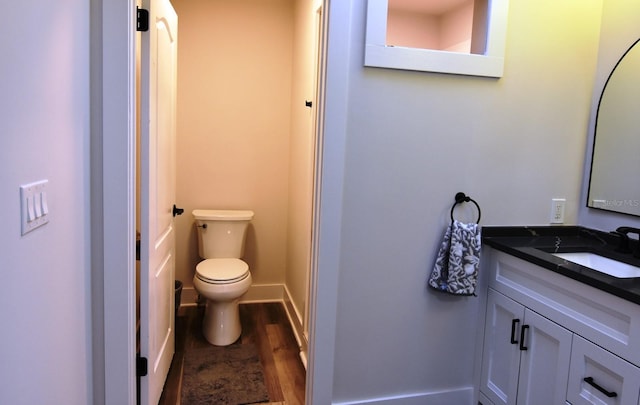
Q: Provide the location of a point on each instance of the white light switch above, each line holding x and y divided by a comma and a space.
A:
45, 207
37, 204
31, 212
33, 205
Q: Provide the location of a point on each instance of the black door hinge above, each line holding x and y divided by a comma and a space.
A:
142, 19
142, 368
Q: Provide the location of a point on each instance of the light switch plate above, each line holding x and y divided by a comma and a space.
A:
33, 205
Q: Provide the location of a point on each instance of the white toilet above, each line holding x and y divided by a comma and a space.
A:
222, 278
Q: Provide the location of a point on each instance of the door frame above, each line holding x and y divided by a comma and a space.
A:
113, 191
112, 200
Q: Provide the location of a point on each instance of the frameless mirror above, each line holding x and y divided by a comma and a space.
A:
448, 36
616, 158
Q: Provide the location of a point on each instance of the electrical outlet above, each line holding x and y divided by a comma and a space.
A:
557, 210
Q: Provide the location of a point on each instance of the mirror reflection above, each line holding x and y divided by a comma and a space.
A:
616, 159
446, 25
481, 34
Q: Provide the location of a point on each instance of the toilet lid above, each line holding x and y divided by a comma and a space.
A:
222, 271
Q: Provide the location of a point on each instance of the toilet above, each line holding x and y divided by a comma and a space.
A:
222, 278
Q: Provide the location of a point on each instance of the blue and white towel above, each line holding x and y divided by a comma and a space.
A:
456, 267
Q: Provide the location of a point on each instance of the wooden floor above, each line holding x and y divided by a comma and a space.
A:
267, 326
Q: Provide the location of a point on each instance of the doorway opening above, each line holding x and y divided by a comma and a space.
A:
247, 138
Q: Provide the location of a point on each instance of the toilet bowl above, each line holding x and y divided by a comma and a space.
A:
222, 282
222, 277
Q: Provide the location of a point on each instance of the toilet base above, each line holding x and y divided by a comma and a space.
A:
221, 324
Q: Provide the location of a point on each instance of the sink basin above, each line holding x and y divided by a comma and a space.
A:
602, 264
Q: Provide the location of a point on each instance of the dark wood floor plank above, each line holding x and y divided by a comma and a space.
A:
266, 356
288, 364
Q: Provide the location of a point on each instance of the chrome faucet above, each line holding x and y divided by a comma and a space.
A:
623, 232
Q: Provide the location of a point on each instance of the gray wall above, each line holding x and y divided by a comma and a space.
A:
412, 140
45, 299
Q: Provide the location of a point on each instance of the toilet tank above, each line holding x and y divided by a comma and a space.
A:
221, 233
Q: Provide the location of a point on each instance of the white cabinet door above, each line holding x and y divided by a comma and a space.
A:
501, 353
600, 377
525, 356
544, 361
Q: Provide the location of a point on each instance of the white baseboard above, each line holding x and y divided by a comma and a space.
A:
461, 396
189, 297
295, 319
256, 293
264, 293
303, 358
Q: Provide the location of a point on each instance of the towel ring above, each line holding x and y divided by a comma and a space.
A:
460, 198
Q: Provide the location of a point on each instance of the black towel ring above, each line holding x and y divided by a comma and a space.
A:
460, 198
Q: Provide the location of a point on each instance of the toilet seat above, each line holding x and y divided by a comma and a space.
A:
222, 271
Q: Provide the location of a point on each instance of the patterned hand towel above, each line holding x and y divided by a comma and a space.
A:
456, 267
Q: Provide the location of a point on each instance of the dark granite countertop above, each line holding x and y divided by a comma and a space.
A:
536, 243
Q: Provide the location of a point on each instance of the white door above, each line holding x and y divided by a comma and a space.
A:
544, 365
157, 181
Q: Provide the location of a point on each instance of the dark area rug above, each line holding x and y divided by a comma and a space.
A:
230, 375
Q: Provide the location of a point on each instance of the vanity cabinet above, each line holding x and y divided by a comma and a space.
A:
611, 380
527, 356
549, 339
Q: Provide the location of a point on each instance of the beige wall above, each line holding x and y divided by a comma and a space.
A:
449, 31
412, 30
245, 137
234, 100
456, 29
